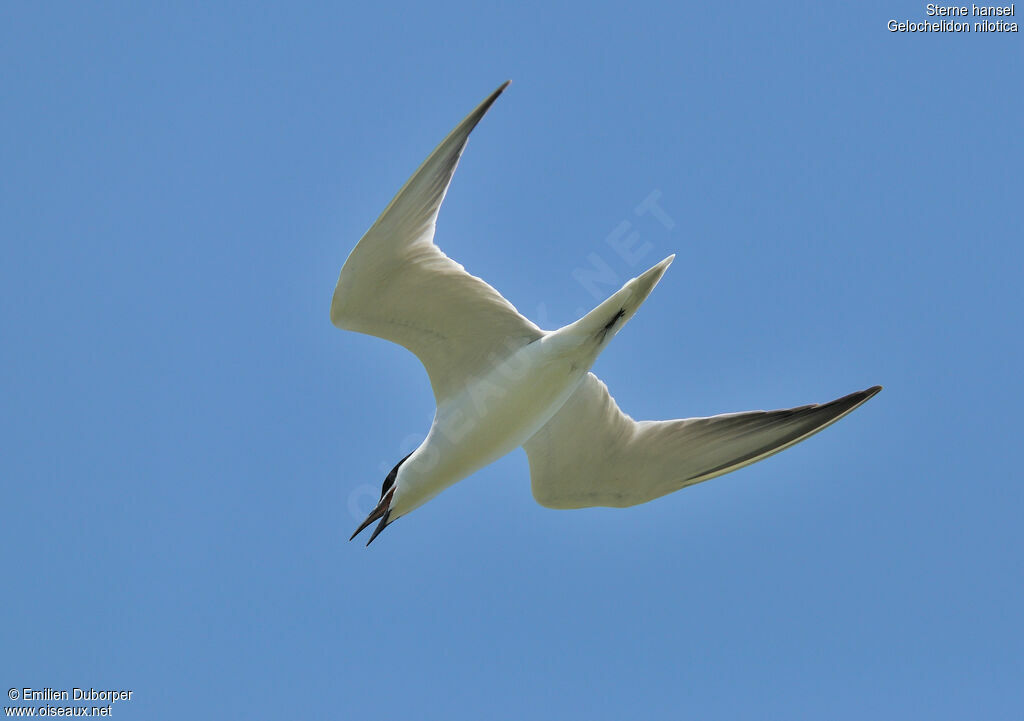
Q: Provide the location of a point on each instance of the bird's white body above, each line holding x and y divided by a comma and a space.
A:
493, 416
501, 382
502, 408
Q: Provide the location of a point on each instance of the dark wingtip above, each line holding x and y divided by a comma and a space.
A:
858, 398
486, 105
470, 121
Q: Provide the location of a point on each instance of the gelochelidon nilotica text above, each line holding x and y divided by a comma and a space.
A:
501, 382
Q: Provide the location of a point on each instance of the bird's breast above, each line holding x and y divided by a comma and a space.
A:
492, 415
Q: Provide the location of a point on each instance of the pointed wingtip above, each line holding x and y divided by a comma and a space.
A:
473, 118
650, 277
859, 398
494, 96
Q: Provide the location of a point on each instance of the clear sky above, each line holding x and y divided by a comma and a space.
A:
187, 442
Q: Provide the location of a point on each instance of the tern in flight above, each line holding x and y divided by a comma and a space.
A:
501, 382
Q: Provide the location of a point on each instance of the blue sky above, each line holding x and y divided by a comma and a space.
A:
188, 442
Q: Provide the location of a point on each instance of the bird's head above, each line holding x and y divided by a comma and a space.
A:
383, 509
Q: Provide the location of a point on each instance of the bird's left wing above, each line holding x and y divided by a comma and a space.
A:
398, 285
592, 454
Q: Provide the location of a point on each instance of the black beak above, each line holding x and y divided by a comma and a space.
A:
380, 526
383, 512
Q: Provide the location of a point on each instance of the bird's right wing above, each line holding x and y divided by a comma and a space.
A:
398, 285
592, 454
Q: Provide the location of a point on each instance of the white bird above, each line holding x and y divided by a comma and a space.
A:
501, 382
